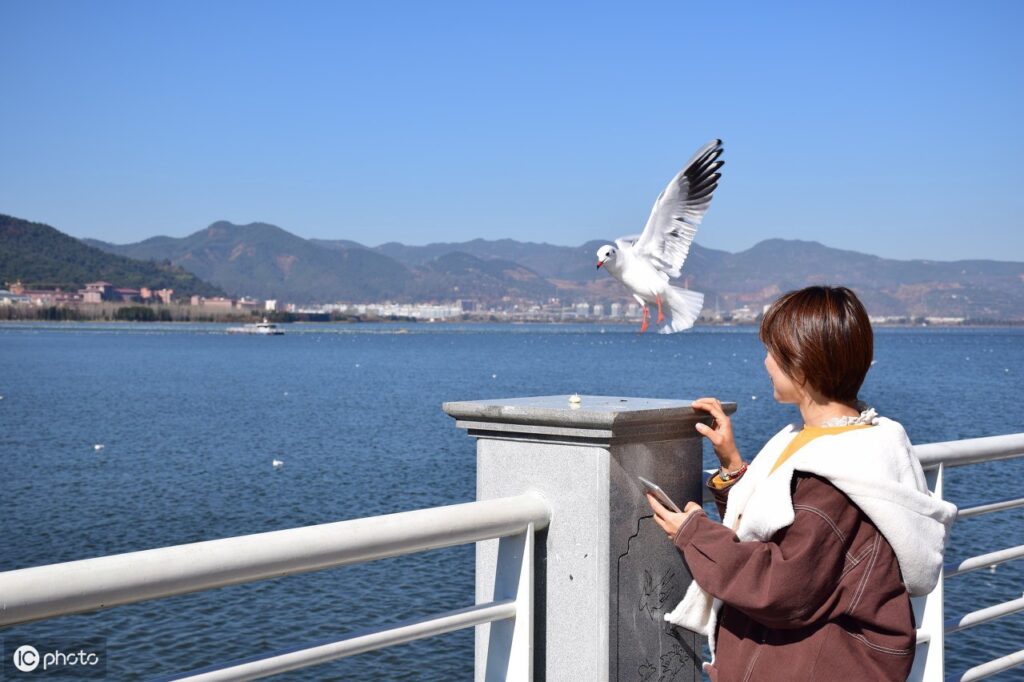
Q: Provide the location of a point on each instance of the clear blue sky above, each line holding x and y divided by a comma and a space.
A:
889, 128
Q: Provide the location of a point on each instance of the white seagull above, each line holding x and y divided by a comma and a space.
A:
646, 263
277, 463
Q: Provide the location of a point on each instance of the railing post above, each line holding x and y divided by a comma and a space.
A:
929, 612
605, 572
510, 645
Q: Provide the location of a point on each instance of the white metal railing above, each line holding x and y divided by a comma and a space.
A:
42, 592
936, 458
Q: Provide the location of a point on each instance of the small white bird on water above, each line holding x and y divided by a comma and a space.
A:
646, 263
278, 463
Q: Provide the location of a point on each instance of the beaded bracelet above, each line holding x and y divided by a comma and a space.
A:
729, 475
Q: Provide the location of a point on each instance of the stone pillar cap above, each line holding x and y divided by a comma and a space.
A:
593, 417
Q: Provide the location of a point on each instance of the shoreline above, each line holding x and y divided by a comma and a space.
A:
995, 324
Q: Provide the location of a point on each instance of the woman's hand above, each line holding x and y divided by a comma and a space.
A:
669, 520
719, 433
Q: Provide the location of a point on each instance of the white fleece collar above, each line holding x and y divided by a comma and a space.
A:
875, 467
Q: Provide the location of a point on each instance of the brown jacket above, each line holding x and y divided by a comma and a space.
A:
822, 600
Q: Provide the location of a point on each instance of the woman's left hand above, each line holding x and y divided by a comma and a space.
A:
669, 520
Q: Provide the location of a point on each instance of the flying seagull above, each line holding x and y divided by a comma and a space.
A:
646, 263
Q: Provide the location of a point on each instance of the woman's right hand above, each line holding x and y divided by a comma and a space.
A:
719, 433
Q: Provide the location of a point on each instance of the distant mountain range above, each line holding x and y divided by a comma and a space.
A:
41, 257
266, 261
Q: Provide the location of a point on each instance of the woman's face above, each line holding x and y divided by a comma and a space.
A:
786, 389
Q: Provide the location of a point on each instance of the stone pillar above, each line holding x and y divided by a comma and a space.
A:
605, 572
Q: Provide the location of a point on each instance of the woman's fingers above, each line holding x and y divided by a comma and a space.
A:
712, 405
709, 433
661, 522
658, 508
667, 524
670, 521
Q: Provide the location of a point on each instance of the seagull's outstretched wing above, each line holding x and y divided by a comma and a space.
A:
679, 209
627, 242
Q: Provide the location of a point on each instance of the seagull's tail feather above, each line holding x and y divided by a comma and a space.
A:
683, 308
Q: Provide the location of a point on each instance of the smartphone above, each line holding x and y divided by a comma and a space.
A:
655, 489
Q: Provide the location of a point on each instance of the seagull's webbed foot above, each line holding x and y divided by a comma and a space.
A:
647, 317
661, 315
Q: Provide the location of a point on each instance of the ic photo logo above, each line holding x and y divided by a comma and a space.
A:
26, 658
71, 658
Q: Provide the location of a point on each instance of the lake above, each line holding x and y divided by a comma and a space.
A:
190, 419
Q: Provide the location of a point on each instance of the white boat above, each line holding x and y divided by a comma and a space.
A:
263, 328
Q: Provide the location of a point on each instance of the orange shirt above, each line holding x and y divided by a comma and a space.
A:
809, 433
802, 438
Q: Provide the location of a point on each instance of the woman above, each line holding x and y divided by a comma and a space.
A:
827, 533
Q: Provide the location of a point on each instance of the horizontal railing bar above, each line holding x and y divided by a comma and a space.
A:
956, 453
991, 507
986, 615
41, 592
983, 560
304, 657
980, 672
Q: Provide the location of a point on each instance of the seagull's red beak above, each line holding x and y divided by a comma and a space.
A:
600, 263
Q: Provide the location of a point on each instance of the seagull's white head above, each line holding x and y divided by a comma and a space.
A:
605, 254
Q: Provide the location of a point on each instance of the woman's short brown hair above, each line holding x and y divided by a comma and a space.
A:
821, 336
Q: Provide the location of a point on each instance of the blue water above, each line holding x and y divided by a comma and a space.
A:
191, 419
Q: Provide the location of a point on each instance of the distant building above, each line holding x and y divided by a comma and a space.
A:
419, 311
41, 297
126, 295
147, 295
744, 314
11, 298
215, 303
270, 305
889, 319
218, 303
597, 310
616, 310
97, 292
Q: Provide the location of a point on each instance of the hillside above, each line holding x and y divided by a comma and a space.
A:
975, 289
980, 289
41, 256
263, 260
460, 275
267, 262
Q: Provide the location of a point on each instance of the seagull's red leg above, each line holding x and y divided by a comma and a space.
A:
661, 315
647, 316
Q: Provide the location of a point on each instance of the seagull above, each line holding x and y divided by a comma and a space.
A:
645, 263
278, 463
98, 447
